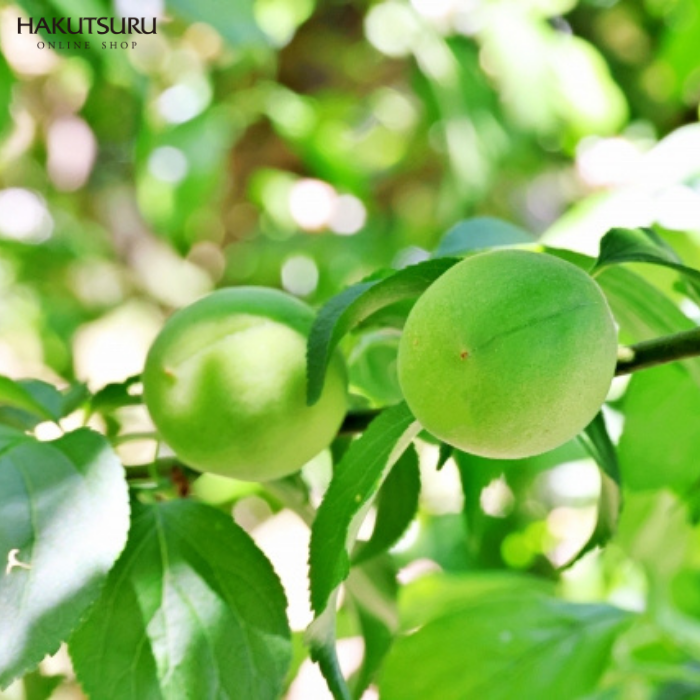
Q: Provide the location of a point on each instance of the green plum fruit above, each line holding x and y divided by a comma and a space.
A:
508, 354
225, 384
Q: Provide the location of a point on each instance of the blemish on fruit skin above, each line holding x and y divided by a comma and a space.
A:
463, 355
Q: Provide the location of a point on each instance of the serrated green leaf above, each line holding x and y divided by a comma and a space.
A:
497, 640
625, 245
64, 513
480, 233
357, 479
357, 303
192, 609
660, 442
397, 505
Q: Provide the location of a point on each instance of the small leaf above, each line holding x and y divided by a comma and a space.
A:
192, 609
117, 395
497, 638
480, 233
355, 304
64, 516
40, 687
446, 451
357, 479
397, 505
597, 442
624, 245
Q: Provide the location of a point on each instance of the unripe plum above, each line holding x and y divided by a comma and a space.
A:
225, 384
508, 354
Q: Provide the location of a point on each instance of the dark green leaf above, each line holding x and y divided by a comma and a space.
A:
596, 440
624, 245
497, 638
357, 303
357, 479
63, 512
40, 687
479, 233
192, 609
114, 396
397, 505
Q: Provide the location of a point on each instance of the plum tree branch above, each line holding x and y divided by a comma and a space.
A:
658, 351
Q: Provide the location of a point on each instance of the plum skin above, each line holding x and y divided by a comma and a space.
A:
509, 354
225, 384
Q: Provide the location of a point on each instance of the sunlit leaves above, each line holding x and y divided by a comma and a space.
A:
63, 521
498, 638
191, 607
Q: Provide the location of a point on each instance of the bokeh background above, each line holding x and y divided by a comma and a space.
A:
303, 144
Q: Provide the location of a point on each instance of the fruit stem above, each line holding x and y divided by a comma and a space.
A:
659, 351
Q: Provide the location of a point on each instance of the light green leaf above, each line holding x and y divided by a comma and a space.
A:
660, 443
357, 303
192, 609
479, 233
397, 505
64, 513
643, 312
357, 479
496, 638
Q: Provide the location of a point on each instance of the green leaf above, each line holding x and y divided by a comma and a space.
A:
357, 479
40, 687
397, 505
63, 512
597, 442
641, 245
659, 446
643, 312
373, 589
496, 638
18, 395
117, 395
192, 609
357, 303
233, 20
479, 233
